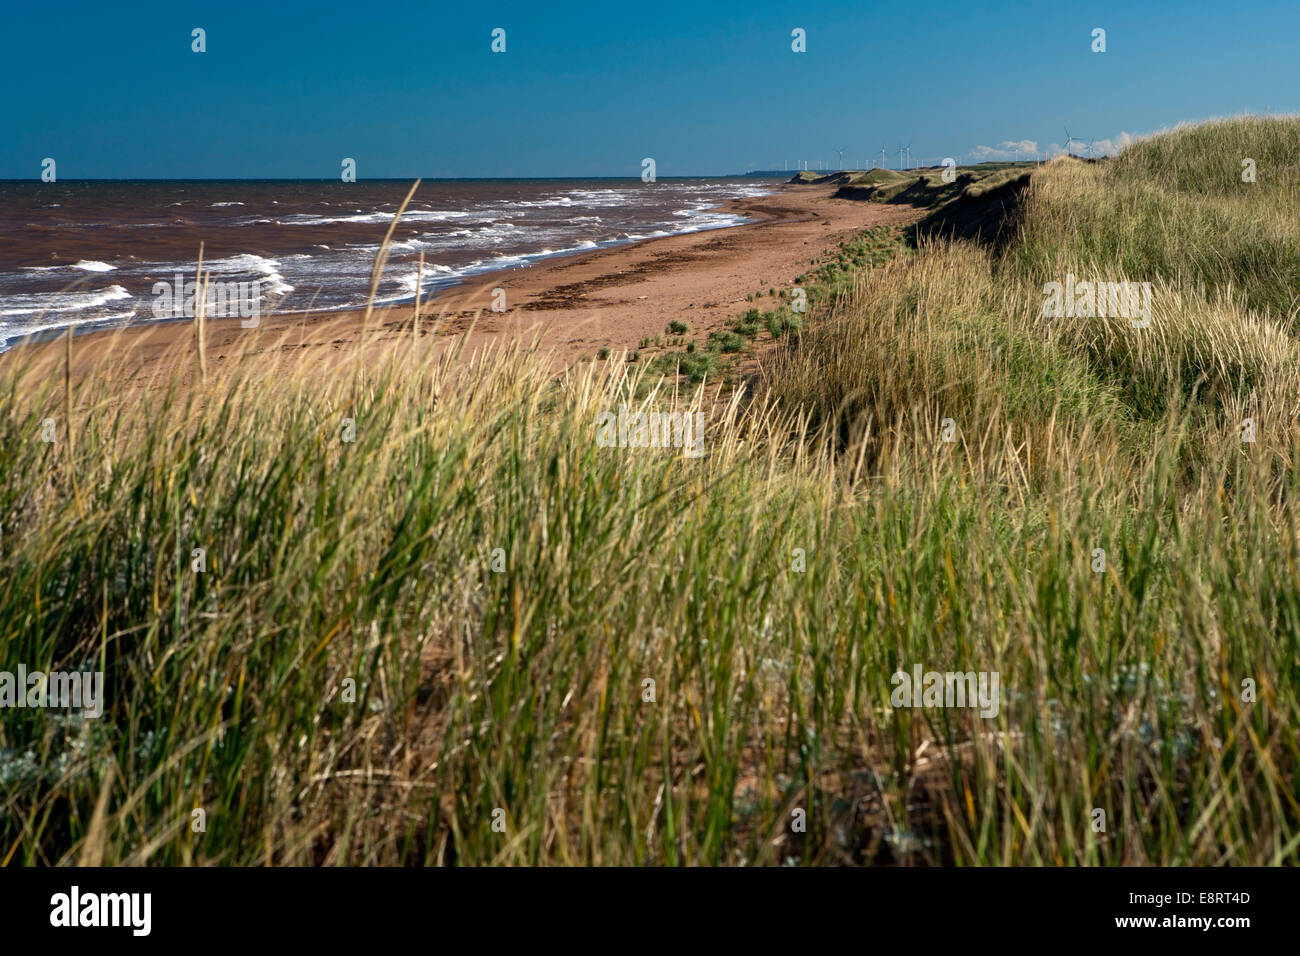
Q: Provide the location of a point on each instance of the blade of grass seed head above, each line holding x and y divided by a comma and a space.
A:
381, 258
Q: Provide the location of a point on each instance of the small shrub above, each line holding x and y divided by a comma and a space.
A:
726, 341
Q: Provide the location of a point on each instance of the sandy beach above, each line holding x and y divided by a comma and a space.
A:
571, 306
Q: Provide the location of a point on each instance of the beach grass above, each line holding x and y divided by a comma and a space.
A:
439, 623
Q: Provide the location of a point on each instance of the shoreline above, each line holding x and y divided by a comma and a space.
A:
571, 305
108, 327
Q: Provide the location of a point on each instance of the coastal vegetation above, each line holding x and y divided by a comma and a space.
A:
470, 635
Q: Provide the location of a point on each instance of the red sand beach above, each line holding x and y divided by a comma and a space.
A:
572, 306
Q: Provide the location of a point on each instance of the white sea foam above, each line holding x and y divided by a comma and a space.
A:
267, 269
42, 302
306, 219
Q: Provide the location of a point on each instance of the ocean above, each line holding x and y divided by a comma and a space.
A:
88, 254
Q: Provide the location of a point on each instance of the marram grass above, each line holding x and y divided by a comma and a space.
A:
828, 538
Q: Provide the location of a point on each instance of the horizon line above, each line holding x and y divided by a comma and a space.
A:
755, 173
376, 179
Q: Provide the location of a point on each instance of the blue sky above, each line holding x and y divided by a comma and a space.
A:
413, 89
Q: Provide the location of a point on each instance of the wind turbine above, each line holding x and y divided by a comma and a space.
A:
841, 158
882, 156
908, 147
1068, 140
1090, 142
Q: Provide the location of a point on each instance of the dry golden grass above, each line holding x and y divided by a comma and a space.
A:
770, 589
